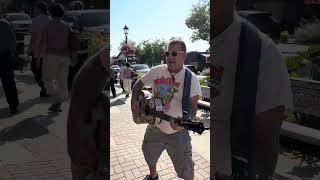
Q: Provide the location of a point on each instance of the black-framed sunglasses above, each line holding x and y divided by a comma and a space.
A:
173, 53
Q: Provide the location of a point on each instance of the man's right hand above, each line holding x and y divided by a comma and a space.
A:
135, 108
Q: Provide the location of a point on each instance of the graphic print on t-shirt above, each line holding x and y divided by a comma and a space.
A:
165, 89
217, 73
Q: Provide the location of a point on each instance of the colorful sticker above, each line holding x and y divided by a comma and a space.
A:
165, 88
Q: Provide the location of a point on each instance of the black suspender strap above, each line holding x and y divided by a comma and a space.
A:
244, 101
186, 92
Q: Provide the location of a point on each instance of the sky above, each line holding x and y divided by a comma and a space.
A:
151, 20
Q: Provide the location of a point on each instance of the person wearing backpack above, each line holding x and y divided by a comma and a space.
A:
179, 90
252, 93
128, 74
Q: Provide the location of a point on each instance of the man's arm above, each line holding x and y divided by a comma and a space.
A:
268, 124
193, 106
266, 139
135, 95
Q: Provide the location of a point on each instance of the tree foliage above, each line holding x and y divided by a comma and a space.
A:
199, 21
131, 46
151, 52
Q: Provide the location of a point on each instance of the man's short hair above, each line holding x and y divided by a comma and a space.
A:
57, 10
42, 6
128, 64
179, 41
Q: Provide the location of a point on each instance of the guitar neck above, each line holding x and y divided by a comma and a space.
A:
161, 115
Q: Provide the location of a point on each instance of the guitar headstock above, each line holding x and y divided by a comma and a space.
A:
196, 127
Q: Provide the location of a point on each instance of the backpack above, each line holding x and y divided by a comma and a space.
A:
244, 101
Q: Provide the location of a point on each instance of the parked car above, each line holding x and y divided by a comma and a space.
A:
192, 68
139, 71
265, 22
92, 20
21, 22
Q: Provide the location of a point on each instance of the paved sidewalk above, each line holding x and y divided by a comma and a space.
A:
126, 157
33, 143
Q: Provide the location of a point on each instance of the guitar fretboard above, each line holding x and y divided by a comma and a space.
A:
161, 115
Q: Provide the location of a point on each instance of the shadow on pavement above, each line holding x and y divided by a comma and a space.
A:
280, 177
29, 128
4, 112
118, 102
307, 168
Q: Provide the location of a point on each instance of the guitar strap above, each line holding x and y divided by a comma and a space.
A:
244, 101
186, 92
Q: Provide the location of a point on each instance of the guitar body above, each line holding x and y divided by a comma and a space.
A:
152, 114
146, 102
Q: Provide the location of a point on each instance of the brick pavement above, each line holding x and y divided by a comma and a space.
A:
126, 157
33, 143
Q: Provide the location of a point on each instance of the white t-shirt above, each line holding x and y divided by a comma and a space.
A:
273, 87
39, 22
122, 68
170, 92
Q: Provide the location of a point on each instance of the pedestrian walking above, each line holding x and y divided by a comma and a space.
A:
56, 55
7, 50
121, 75
127, 79
112, 82
39, 22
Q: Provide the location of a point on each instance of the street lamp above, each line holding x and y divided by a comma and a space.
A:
125, 30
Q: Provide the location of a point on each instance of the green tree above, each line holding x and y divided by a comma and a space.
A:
151, 52
199, 21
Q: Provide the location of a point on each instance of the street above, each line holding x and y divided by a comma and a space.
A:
33, 143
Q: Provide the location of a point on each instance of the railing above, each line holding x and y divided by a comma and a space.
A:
306, 100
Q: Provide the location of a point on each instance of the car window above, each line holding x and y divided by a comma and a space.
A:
140, 67
94, 19
18, 17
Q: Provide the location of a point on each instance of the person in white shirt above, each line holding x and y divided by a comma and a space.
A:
128, 74
167, 82
121, 75
273, 98
38, 23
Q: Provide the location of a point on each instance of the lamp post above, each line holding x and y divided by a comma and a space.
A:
125, 30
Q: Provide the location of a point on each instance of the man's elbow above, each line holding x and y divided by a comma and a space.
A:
268, 124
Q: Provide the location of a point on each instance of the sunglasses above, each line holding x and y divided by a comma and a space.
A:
173, 53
